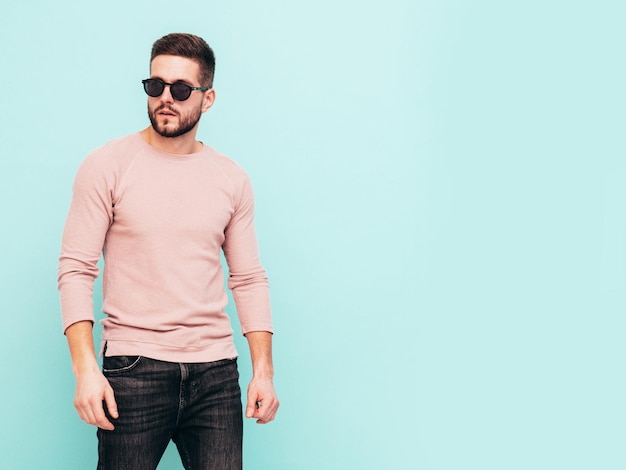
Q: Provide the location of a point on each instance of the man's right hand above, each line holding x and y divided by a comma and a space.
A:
93, 392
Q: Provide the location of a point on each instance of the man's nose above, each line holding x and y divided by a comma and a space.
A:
166, 96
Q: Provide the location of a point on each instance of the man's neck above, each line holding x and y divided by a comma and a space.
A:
181, 145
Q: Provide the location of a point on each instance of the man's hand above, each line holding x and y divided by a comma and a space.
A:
262, 401
92, 389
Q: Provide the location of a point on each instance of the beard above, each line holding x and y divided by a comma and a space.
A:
186, 122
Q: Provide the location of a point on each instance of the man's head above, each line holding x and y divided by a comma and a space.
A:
190, 47
180, 84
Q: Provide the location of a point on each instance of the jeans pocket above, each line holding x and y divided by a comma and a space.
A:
119, 364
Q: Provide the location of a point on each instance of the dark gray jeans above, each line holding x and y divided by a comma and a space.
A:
197, 405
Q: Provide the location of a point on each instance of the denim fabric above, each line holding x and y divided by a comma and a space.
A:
197, 405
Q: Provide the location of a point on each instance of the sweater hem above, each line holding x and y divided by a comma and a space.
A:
208, 353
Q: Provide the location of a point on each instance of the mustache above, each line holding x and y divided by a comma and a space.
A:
167, 108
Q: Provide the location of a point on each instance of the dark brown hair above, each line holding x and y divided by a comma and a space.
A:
191, 47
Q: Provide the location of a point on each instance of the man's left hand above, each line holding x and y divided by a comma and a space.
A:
262, 400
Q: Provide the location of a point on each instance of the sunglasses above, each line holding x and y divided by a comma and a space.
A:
180, 91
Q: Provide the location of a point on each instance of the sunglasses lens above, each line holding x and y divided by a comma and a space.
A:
180, 91
153, 87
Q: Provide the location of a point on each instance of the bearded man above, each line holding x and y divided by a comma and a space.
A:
161, 207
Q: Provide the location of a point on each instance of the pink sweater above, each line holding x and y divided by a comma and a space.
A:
161, 219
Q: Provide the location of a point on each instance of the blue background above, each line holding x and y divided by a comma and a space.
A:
440, 194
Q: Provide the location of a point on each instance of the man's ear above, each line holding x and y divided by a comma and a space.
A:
208, 99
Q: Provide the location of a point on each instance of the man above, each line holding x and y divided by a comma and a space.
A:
161, 205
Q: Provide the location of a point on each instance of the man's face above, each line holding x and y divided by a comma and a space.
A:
171, 118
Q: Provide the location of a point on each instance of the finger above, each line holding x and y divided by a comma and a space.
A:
100, 418
252, 408
84, 410
253, 404
84, 413
267, 411
111, 404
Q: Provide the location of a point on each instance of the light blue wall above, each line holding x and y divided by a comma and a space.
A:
440, 206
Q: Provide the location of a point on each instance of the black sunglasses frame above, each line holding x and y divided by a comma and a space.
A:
174, 88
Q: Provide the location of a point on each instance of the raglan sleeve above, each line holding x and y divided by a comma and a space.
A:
88, 220
247, 278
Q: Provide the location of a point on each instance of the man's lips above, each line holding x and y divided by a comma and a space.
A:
166, 112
